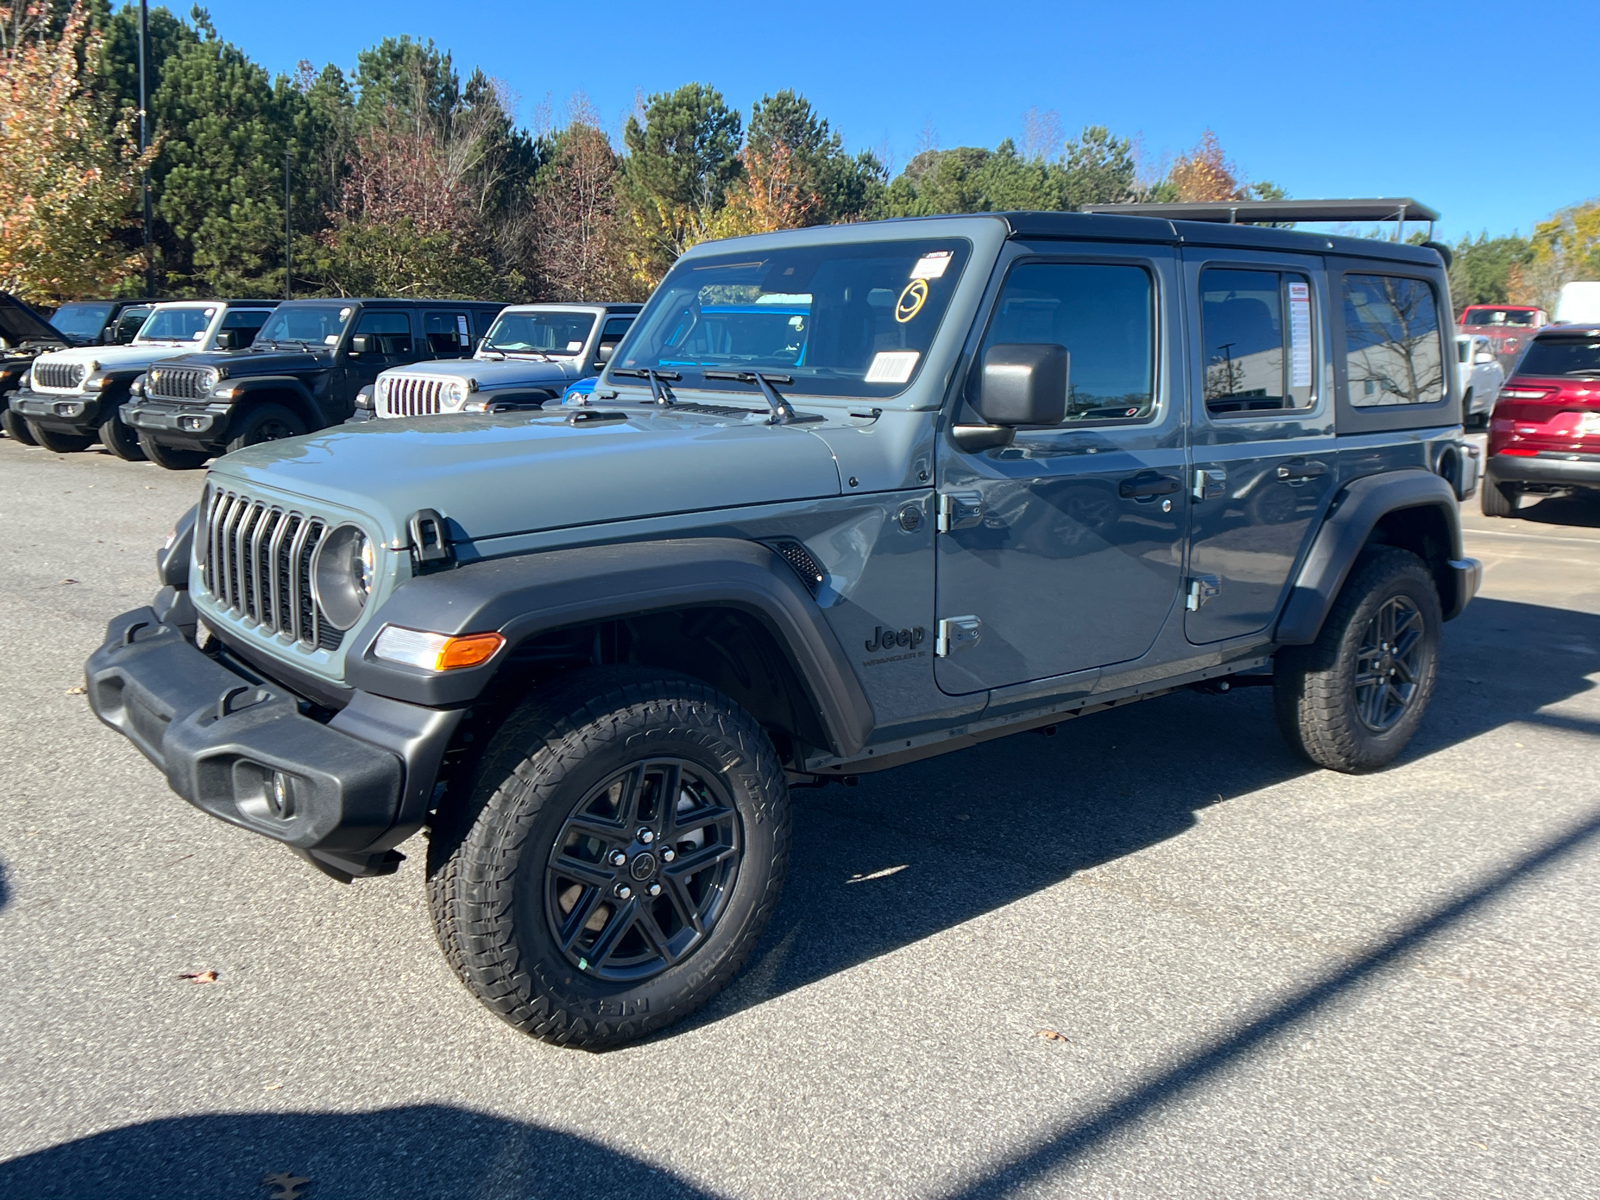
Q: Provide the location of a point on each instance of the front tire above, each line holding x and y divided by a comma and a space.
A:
59, 443
265, 423
16, 426
1497, 499
172, 458
122, 441
619, 854
1352, 699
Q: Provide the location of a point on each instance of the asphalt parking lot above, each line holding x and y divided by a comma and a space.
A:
1154, 955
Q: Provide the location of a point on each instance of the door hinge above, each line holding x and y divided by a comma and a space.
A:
1201, 589
959, 510
1209, 482
956, 633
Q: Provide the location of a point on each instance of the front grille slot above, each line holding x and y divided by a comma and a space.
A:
257, 566
178, 383
58, 376
413, 395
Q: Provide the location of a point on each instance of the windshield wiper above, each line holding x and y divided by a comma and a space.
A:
659, 391
783, 412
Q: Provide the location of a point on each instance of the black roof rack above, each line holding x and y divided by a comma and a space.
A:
1252, 212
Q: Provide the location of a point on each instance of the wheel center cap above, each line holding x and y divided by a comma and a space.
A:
643, 866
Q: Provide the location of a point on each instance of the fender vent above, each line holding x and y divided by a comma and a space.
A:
799, 558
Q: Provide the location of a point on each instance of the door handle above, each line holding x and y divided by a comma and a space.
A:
1147, 484
1300, 469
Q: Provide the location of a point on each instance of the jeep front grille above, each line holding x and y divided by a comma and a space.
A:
58, 376
178, 383
256, 563
413, 395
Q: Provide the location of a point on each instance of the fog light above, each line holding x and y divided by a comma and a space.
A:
193, 424
280, 795
435, 651
69, 408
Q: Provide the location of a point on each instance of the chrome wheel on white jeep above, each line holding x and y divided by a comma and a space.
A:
618, 856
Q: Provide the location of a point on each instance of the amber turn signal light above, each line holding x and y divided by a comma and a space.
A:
435, 651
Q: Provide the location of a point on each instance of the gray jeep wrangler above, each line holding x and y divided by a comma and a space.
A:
844, 498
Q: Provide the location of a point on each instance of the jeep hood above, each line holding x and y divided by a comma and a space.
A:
495, 373
114, 358
495, 476
242, 363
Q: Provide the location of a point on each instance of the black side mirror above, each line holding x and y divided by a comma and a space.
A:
227, 339
1024, 385
364, 343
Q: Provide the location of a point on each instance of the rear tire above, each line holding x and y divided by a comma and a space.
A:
265, 423
531, 911
59, 443
16, 426
173, 458
120, 440
1351, 700
1498, 499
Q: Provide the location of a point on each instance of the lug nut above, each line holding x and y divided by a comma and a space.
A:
646, 837
655, 889
624, 891
667, 856
618, 858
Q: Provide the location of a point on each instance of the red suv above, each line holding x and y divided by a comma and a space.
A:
1544, 435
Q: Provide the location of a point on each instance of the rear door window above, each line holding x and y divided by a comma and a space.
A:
1393, 352
449, 334
1257, 331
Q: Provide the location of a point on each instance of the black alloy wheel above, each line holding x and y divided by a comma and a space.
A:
640, 873
267, 423
1387, 664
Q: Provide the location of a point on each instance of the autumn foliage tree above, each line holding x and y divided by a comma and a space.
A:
66, 189
579, 235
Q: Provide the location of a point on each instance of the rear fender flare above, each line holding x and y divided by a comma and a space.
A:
1352, 518
533, 594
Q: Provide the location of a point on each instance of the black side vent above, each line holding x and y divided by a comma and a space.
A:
798, 557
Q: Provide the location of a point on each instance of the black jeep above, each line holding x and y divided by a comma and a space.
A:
303, 373
24, 335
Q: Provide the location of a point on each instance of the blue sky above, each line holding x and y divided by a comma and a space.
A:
1490, 119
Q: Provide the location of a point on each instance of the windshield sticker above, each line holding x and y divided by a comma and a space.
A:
932, 265
210, 312
1300, 335
461, 328
574, 347
198, 335
911, 300
892, 366
331, 340
343, 313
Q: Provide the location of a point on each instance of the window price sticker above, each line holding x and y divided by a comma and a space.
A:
461, 330
892, 366
1299, 335
931, 265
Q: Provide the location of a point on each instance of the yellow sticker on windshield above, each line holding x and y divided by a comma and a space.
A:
911, 300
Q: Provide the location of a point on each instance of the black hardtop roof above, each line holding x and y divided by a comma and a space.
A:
213, 300
1553, 332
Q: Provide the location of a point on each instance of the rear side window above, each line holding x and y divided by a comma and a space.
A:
1578, 357
448, 334
1392, 348
1105, 317
1256, 329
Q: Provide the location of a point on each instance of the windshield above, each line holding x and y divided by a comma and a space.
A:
1561, 356
540, 333
177, 325
1496, 316
850, 319
306, 324
81, 320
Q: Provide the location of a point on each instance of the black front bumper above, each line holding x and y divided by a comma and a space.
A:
1548, 467
356, 786
195, 426
77, 412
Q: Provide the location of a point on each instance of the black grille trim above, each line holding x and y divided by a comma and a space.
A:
178, 383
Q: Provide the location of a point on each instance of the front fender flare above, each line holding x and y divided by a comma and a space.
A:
1352, 517
531, 594
249, 386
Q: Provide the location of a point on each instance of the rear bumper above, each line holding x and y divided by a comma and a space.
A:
75, 411
1552, 468
355, 787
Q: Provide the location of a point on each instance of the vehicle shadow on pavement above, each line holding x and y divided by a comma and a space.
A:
1563, 510
912, 852
428, 1151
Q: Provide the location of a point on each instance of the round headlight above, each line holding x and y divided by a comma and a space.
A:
383, 386
342, 575
455, 393
213, 377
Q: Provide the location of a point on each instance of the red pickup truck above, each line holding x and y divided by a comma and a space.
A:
1507, 326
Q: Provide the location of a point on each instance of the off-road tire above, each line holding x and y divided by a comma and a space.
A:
16, 425
120, 440
1496, 500
1314, 687
59, 443
488, 850
264, 423
173, 458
